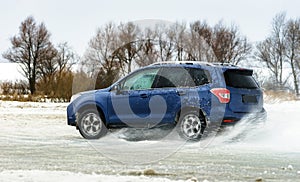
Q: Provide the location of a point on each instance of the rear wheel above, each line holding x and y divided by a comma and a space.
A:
191, 125
91, 125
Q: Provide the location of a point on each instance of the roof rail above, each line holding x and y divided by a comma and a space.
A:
183, 62
225, 64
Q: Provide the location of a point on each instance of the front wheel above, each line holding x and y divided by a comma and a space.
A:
91, 125
191, 125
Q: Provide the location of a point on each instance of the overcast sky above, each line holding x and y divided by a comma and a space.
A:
76, 21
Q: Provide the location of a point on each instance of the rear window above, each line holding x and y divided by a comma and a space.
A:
240, 79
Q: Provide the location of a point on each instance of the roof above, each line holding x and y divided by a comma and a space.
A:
223, 66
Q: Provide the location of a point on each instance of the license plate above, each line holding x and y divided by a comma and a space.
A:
249, 99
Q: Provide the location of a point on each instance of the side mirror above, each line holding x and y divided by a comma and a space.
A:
117, 89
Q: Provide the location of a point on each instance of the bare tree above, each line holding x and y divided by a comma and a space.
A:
129, 45
178, 32
65, 57
48, 67
98, 48
148, 53
266, 53
56, 71
292, 48
278, 37
29, 48
199, 42
99, 57
218, 44
272, 50
228, 45
165, 42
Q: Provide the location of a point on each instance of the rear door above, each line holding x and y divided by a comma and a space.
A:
179, 87
245, 94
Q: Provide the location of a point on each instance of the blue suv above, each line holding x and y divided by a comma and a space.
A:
190, 96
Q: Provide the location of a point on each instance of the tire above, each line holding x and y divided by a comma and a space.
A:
91, 124
191, 125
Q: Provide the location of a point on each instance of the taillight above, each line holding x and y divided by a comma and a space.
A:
228, 120
222, 94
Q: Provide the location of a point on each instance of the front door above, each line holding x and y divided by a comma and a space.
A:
129, 104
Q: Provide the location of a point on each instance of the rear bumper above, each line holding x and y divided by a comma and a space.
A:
231, 118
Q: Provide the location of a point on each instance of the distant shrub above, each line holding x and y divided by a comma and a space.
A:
19, 87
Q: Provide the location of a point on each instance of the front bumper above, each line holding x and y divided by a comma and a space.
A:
71, 115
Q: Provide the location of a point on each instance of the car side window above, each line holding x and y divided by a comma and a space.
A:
141, 80
171, 77
198, 77
181, 77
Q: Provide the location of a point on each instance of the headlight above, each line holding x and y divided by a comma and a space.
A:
75, 97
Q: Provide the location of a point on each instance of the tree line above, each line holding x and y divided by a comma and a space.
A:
280, 52
117, 49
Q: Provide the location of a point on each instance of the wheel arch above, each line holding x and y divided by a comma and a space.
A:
191, 108
92, 105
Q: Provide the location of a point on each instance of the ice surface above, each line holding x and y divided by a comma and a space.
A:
50, 176
36, 145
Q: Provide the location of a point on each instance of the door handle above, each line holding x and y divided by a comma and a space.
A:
181, 92
143, 95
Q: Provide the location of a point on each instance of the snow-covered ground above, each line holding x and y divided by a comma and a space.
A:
50, 176
37, 145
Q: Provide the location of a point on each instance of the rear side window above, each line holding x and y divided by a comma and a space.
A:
240, 79
171, 77
199, 76
181, 77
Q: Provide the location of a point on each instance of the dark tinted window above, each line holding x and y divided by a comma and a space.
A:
181, 77
240, 79
199, 76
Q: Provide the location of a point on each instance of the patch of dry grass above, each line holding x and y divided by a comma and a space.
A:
271, 96
30, 98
